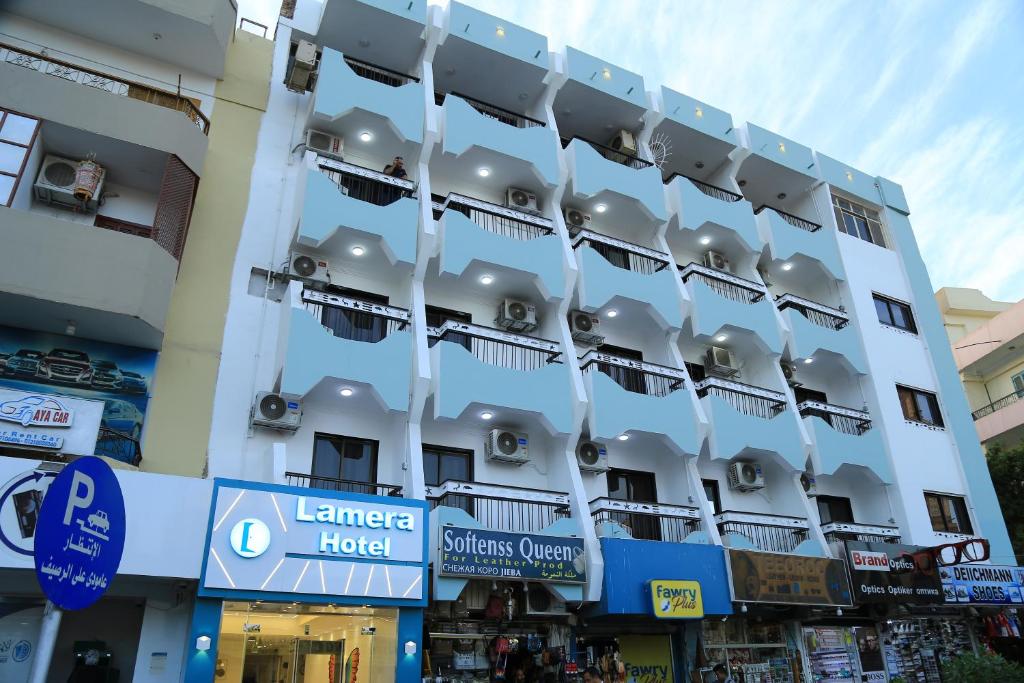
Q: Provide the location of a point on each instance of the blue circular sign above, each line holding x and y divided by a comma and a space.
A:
80, 534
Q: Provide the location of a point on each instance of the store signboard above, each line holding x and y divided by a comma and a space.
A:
790, 579
676, 599
881, 573
485, 554
284, 539
49, 422
986, 584
646, 659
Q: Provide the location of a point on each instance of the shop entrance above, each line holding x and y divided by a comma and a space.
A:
264, 642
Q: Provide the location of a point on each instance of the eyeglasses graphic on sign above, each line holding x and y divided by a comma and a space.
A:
946, 555
250, 538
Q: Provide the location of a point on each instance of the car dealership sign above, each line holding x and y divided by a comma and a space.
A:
49, 421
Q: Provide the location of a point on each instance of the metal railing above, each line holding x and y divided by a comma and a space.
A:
242, 23
622, 254
380, 74
354, 319
819, 314
724, 284
869, 533
502, 508
998, 404
616, 155
365, 184
795, 221
314, 481
118, 446
493, 111
99, 80
770, 533
746, 398
707, 188
499, 347
647, 521
845, 420
499, 219
635, 376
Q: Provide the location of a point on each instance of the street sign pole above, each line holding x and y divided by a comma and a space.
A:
47, 641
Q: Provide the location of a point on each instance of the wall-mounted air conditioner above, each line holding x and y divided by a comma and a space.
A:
521, 200
309, 268
503, 445
719, 361
624, 141
326, 144
516, 316
301, 74
746, 476
276, 411
57, 183
585, 328
540, 602
576, 220
592, 456
713, 259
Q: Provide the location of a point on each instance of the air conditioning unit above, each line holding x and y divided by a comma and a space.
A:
540, 602
713, 259
624, 141
576, 220
326, 144
521, 200
592, 457
301, 75
789, 372
276, 411
585, 328
810, 484
475, 595
746, 476
56, 185
505, 446
517, 316
306, 267
719, 361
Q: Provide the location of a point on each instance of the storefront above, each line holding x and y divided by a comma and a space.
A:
309, 586
993, 596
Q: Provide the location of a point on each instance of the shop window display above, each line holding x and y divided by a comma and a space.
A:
916, 648
752, 651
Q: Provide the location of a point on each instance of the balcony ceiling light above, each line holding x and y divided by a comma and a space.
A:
500, 31
808, 361
486, 415
787, 266
366, 136
623, 437
346, 392
705, 240
780, 196
607, 73
698, 112
743, 183
721, 338
611, 313
600, 208
486, 279
699, 164
357, 250
483, 171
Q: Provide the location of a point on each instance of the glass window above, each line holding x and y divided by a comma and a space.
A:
920, 406
18, 129
638, 487
344, 463
948, 513
1018, 382
894, 313
712, 493
17, 134
858, 221
441, 464
834, 509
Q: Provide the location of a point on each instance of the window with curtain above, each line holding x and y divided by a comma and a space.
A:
629, 379
441, 464
637, 487
920, 406
344, 463
438, 316
17, 135
948, 513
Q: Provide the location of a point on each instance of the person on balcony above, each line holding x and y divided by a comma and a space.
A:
396, 169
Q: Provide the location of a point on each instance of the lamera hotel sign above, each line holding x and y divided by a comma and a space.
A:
481, 553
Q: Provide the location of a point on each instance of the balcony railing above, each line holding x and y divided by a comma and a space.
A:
365, 184
498, 219
998, 404
118, 446
647, 521
819, 314
622, 254
869, 533
635, 375
845, 420
727, 285
114, 85
377, 73
498, 347
708, 189
354, 319
746, 398
492, 111
313, 481
770, 533
795, 221
502, 508
616, 155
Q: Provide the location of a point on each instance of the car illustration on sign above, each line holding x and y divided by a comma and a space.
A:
66, 365
122, 416
25, 362
106, 375
133, 382
41, 411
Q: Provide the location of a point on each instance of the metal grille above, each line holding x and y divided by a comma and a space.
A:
998, 404
344, 485
288, 8
174, 207
500, 225
725, 289
836, 536
127, 227
636, 380
619, 157
846, 424
772, 539
365, 189
621, 256
379, 73
746, 403
818, 317
118, 446
491, 111
650, 527
361, 326
795, 221
708, 189
505, 514
501, 353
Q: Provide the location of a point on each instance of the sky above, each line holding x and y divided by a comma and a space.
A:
927, 93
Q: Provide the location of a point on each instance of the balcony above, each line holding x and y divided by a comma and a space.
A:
595, 168
776, 166
347, 341
843, 436
612, 268
474, 234
816, 327
343, 204
312, 481
481, 366
502, 508
791, 236
474, 131
1001, 420
646, 521
836, 532
705, 208
746, 419
768, 533
633, 396
721, 300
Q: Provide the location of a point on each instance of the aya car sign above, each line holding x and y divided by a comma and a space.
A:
49, 421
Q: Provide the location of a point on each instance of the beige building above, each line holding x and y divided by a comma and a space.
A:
988, 344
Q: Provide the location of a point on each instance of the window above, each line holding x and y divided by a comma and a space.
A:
637, 487
438, 316
920, 406
355, 325
344, 463
441, 464
802, 394
894, 313
834, 509
17, 135
1018, 383
712, 493
696, 371
948, 513
858, 221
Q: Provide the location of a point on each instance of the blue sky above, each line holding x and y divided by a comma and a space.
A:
928, 93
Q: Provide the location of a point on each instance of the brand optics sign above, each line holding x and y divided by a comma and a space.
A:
481, 553
49, 421
880, 573
983, 584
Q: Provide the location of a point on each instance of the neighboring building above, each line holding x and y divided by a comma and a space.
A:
988, 345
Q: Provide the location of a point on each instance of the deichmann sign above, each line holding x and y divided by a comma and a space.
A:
983, 584
790, 579
49, 421
880, 573
676, 599
279, 539
481, 553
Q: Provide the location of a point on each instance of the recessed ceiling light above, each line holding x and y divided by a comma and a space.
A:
623, 437
743, 183
483, 171
157, 36
486, 279
366, 136
780, 196
346, 392
721, 337
357, 251
607, 73
705, 240
699, 164
698, 112
601, 208
808, 361
486, 415
611, 313
522, 96
787, 266
500, 31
